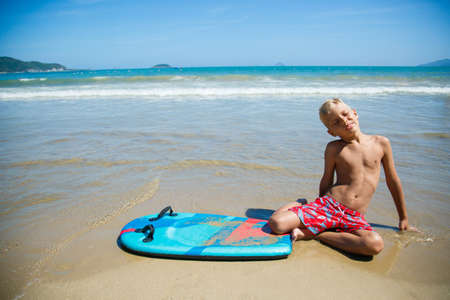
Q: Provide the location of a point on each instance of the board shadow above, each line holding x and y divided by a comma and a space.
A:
259, 213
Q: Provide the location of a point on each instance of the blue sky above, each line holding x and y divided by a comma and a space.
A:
133, 34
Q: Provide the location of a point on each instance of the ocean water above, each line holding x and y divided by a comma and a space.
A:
85, 149
222, 82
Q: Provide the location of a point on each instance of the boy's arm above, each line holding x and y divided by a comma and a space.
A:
328, 173
394, 184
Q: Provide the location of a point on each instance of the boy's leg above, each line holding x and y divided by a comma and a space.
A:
283, 221
364, 242
286, 207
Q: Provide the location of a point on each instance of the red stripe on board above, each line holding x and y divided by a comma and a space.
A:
246, 230
127, 230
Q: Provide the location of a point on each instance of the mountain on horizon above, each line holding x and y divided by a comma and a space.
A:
437, 63
9, 65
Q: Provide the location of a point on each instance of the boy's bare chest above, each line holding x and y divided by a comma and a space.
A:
360, 156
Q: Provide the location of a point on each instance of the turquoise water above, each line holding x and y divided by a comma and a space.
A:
105, 146
219, 82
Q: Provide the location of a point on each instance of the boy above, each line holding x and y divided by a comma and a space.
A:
356, 158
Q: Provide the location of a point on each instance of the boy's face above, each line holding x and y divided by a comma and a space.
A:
342, 121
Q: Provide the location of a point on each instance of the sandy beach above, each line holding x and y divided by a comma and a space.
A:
88, 264
90, 268
312, 271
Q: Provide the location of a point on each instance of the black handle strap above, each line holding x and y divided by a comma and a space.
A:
149, 229
151, 232
163, 212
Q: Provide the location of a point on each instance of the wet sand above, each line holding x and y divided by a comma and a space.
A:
313, 270
89, 265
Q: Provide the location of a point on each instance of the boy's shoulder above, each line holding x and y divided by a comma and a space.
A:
335, 146
379, 142
371, 139
337, 143
379, 139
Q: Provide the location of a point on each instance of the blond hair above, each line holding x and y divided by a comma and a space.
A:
325, 109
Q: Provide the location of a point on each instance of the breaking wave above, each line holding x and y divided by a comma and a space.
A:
209, 92
222, 82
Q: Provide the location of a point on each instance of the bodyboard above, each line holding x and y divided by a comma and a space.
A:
203, 236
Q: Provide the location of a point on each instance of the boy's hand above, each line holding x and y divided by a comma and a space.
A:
403, 225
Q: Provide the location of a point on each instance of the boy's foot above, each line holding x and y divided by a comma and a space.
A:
302, 201
297, 234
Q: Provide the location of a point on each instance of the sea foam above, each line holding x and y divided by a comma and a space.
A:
88, 92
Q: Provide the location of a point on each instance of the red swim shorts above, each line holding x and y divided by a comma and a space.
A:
326, 213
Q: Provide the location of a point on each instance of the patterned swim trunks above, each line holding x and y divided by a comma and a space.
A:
326, 213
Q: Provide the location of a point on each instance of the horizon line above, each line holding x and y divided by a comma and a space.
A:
249, 66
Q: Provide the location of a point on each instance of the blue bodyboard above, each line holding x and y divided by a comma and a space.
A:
204, 237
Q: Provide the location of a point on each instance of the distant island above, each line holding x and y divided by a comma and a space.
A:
162, 66
9, 65
280, 64
437, 63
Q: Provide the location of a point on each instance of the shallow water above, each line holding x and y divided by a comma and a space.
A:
71, 162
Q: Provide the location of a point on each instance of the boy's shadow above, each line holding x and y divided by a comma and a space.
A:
264, 214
